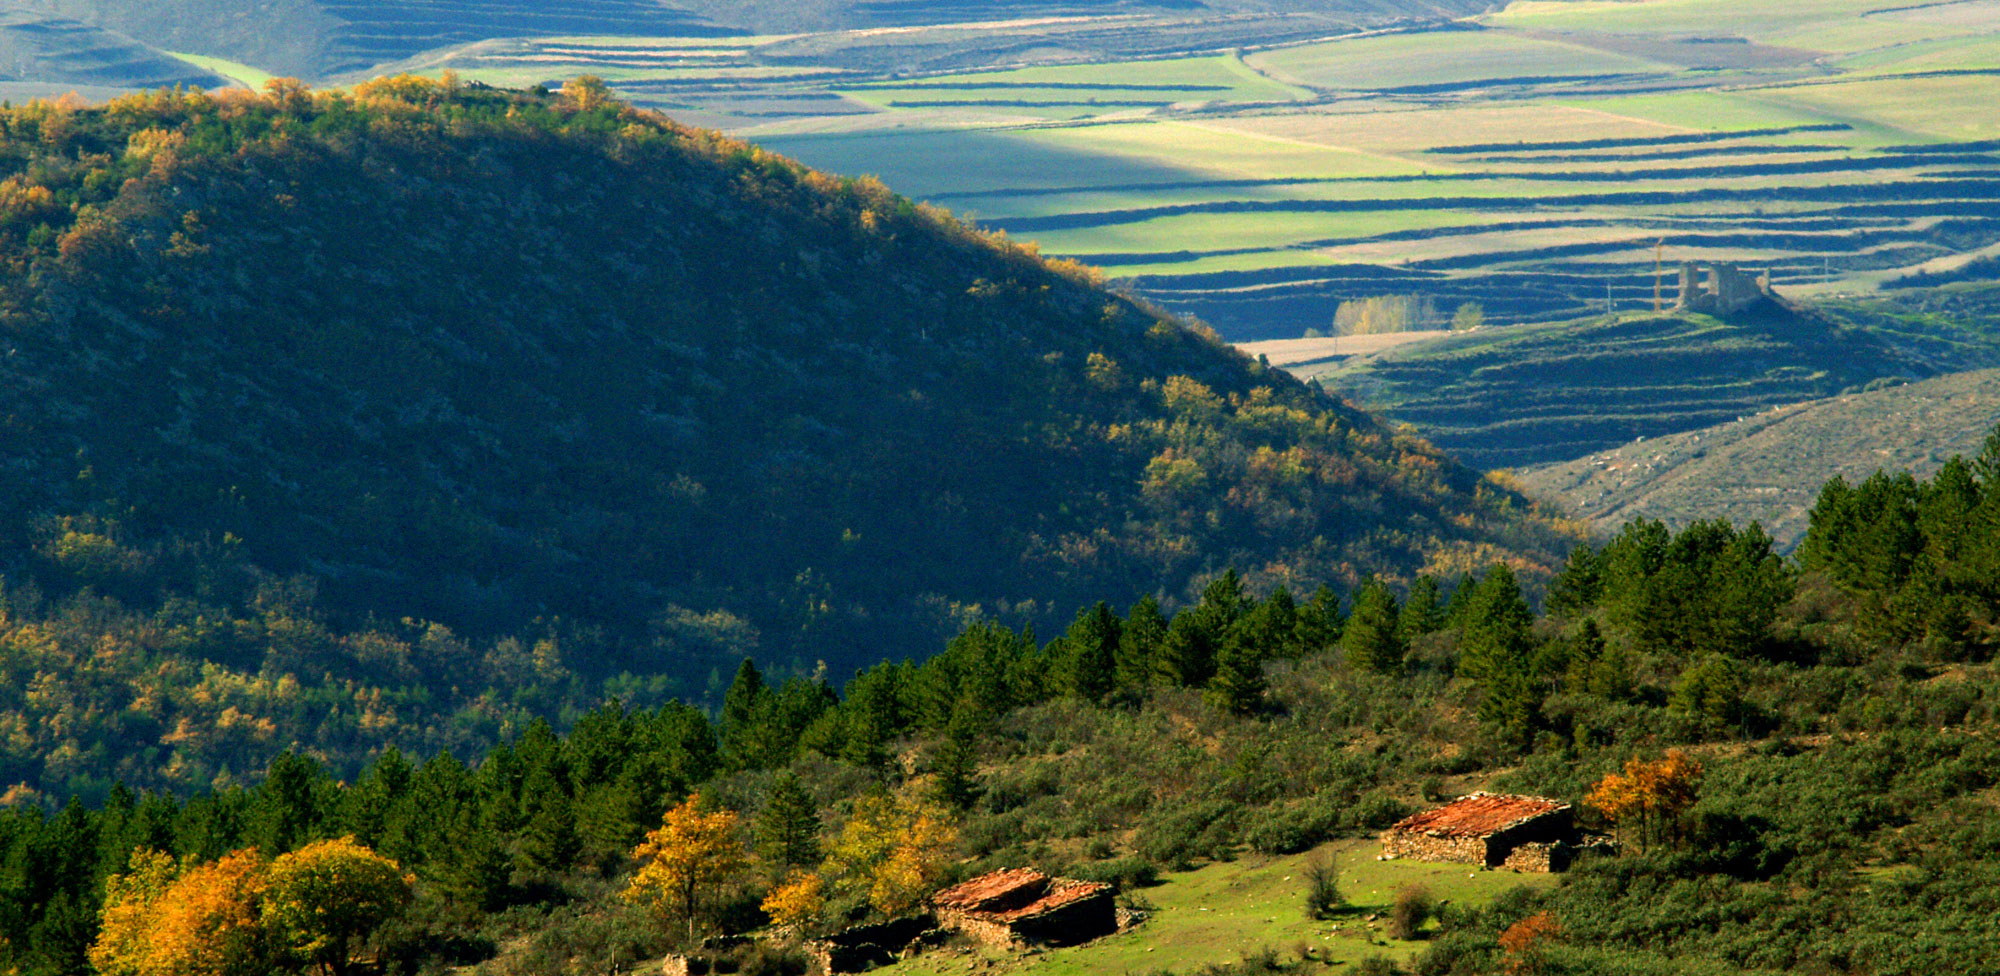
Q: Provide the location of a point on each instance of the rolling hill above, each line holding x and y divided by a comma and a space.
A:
489, 400
50, 52
1536, 394
1768, 467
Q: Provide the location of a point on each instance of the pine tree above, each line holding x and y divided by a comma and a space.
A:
1460, 604
955, 761
291, 804
1576, 590
1320, 621
1423, 612
476, 869
1223, 600
1711, 691
549, 840
1371, 638
1187, 656
1145, 632
787, 831
1090, 657
1272, 630
1497, 636
1238, 685
743, 706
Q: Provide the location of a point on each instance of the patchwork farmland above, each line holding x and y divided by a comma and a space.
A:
1255, 175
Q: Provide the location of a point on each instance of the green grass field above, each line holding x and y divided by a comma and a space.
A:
1218, 912
248, 76
1402, 60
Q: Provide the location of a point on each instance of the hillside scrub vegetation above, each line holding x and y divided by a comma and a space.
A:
1793, 786
411, 413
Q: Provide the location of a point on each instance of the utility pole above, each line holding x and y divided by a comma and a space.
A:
1607, 296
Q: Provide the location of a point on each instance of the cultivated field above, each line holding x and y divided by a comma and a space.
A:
1256, 170
1298, 354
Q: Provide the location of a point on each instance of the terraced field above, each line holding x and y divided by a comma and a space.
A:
1257, 164
1767, 467
374, 32
1530, 160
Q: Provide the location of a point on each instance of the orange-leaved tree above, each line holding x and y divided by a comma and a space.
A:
326, 896
1524, 945
691, 854
160, 919
797, 902
1650, 795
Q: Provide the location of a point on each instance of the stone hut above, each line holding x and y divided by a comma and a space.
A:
1025, 905
1727, 289
1527, 833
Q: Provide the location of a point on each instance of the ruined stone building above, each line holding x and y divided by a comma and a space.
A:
1527, 833
864, 947
1025, 905
1727, 289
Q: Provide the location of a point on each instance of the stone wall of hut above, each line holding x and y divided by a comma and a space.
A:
1079, 921
1424, 847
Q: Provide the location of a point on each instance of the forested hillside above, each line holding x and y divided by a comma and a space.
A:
338, 420
1796, 757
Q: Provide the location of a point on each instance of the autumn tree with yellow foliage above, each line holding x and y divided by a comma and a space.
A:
1650, 795
324, 897
691, 854
895, 849
164, 919
242, 915
797, 902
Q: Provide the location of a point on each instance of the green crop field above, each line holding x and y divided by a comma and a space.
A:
1216, 913
1441, 58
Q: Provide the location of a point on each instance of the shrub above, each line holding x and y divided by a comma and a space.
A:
1291, 829
1174, 838
1456, 952
1376, 811
1124, 872
1323, 898
1377, 966
1413, 906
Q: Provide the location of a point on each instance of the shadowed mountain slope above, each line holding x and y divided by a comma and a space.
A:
1536, 394
1769, 467
523, 368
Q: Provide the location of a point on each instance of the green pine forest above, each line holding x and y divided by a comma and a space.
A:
466, 500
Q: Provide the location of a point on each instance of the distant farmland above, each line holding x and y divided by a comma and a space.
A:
1256, 171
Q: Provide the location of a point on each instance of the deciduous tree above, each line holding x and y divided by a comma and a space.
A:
326, 897
690, 855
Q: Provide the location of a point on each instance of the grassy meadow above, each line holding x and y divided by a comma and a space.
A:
1220, 911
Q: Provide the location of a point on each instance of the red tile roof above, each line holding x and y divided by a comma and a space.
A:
1477, 815
1014, 894
989, 892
